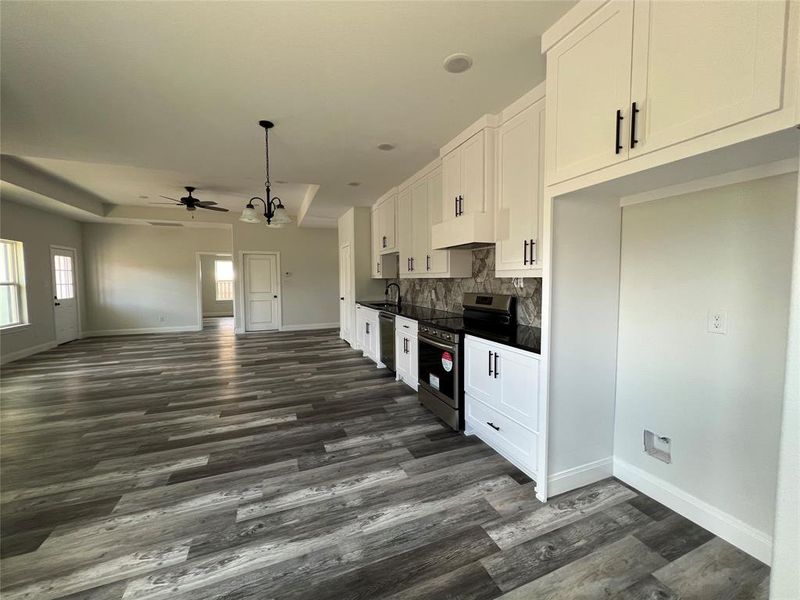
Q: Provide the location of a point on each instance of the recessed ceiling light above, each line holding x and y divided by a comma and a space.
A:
354, 183
281, 182
457, 63
143, 197
386, 147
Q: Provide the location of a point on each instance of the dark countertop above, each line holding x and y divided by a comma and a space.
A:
523, 337
409, 311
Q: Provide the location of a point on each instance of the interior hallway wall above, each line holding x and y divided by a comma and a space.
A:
144, 278
37, 230
211, 306
718, 397
309, 271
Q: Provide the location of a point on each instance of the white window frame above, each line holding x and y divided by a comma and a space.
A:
17, 282
227, 284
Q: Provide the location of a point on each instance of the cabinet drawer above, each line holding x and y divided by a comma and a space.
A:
406, 326
508, 437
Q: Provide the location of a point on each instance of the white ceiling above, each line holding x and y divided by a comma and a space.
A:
142, 98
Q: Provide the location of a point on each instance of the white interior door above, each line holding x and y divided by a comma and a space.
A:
261, 292
345, 300
65, 294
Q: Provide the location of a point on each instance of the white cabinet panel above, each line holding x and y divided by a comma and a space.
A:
519, 191
473, 165
518, 394
588, 81
509, 438
451, 184
388, 210
376, 248
704, 65
438, 263
405, 227
479, 379
406, 351
421, 227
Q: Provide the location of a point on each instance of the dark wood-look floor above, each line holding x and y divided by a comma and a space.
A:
285, 465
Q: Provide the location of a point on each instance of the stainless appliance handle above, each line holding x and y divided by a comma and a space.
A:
437, 344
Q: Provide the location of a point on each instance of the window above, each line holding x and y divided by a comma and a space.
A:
12, 284
65, 282
223, 274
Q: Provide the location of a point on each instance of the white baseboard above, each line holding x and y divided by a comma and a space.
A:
571, 479
25, 352
224, 313
309, 326
141, 330
729, 528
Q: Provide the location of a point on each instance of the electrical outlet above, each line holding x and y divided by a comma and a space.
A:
717, 322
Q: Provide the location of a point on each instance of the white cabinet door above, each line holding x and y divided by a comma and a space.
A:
451, 183
413, 360
361, 328
376, 244
479, 365
438, 261
345, 300
520, 183
371, 334
420, 238
473, 165
405, 230
401, 357
518, 396
588, 81
388, 210
704, 65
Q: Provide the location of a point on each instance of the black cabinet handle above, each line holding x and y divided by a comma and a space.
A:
427, 262
618, 125
490, 363
367, 324
533, 251
378, 266
634, 112
496, 372
456, 204
384, 241
460, 205
493, 426
525, 254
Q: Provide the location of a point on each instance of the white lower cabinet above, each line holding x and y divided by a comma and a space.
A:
405, 338
501, 389
368, 332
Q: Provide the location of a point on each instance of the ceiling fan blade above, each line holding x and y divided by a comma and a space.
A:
168, 198
217, 208
205, 203
167, 203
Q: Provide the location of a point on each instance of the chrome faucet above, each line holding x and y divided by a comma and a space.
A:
386, 293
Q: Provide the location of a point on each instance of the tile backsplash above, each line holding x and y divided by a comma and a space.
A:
447, 294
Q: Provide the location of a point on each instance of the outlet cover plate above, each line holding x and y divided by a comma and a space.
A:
717, 322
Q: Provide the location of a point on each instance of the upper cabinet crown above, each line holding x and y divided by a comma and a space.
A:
468, 188
638, 80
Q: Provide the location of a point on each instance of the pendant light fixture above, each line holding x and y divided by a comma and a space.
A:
274, 212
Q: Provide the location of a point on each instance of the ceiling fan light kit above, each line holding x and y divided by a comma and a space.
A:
274, 211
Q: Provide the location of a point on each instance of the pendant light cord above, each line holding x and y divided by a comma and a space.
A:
266, 160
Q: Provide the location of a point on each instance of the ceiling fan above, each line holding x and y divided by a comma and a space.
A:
192, 203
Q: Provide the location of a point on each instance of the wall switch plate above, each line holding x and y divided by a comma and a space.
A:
717, 322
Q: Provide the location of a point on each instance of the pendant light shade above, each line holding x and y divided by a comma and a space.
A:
249, 214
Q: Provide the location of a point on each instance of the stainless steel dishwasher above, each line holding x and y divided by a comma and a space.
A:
387, 339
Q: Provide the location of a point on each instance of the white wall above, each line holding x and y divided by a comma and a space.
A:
785, 576
208, 283
37, 230
310, 294
584, 306
717, 396
141, 277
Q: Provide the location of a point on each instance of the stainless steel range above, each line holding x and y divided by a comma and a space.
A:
441, 352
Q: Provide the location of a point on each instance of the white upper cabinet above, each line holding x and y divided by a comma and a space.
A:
384, 222
687, 77
467, 200
520, 180
704, 65
419, 209
588, 93
405, 230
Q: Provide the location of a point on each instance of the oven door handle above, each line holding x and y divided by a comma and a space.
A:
436, 344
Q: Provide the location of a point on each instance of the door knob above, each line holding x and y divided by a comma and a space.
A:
275, 296
341, 298
58, 304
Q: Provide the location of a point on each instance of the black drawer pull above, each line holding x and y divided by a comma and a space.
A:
428, 262
493, 426
490, 363
525, 254
618, 142
496, 372
634, 112
456, 205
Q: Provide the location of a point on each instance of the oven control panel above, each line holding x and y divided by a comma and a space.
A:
438, 333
